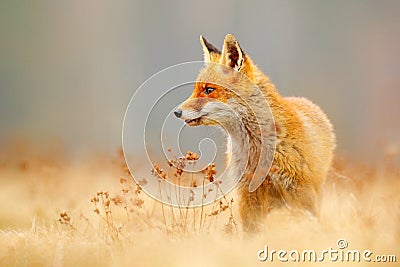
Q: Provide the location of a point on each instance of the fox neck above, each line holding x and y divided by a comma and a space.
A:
244, 145
238, 150
245, 140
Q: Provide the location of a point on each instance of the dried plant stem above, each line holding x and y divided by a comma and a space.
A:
162, 207
202, 205
177, 193
126, 209
229, 206
189, 198
173, 215
213, 208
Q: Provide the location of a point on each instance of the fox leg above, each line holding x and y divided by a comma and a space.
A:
253, 209
252, 217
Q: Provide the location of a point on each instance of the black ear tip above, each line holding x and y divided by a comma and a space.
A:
209, 46
204, 40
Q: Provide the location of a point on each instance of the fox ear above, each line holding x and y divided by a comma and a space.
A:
210, 51
232, 54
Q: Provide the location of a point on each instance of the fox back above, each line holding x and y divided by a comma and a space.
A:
279, 148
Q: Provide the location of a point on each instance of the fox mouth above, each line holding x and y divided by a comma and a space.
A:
195, 121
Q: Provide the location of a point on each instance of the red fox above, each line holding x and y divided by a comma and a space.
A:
225, 94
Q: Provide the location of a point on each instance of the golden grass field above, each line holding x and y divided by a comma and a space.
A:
58, 211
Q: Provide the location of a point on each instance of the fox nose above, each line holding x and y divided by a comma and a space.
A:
178, 113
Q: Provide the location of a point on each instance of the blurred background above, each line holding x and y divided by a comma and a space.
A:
69, 68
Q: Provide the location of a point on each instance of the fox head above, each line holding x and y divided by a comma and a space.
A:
222, 89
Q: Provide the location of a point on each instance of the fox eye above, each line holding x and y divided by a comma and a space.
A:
209, 90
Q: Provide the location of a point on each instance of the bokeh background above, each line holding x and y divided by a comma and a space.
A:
69, 68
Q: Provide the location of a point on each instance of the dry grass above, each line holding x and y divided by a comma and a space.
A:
59, 212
